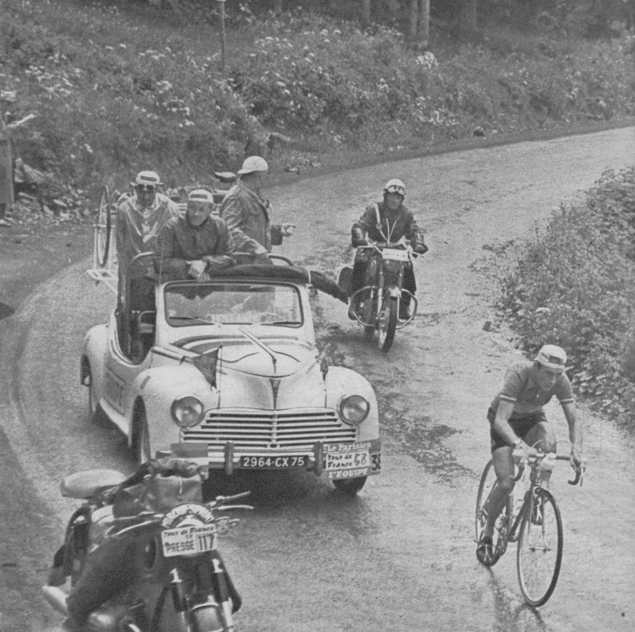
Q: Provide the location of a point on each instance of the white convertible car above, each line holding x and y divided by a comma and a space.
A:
226, 373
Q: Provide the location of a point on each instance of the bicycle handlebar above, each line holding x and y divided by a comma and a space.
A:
535, 457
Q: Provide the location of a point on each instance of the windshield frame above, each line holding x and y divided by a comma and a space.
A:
234, 283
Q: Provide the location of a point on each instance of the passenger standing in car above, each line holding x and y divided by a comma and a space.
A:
247, 212
195, 245
140, 218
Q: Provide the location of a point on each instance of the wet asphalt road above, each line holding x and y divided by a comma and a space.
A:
401, 555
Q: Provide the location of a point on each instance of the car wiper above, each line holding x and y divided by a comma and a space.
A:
192, 318
283, 322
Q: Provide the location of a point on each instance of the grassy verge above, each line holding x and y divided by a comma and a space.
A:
574, 285
117, 87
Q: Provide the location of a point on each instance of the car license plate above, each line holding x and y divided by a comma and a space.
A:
352, 460
337, 461
188, 540
394, 254
273, 462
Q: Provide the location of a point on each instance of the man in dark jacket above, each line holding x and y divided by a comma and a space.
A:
387, 222
195, 245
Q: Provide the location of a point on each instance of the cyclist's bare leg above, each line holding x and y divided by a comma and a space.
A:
542, 437
504, 468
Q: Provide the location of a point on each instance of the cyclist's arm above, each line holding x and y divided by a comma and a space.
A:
575, 432
501, 422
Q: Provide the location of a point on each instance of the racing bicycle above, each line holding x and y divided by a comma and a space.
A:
533, 520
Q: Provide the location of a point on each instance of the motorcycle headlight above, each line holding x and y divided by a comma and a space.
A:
354, 409
187, 411
393, 266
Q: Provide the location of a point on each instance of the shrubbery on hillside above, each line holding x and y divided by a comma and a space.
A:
118, 87
574, 285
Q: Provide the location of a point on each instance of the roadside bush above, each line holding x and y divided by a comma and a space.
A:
574, 285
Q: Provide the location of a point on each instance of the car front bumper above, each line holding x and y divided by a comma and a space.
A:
337, 460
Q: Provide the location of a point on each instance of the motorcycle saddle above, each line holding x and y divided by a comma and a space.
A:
86, 484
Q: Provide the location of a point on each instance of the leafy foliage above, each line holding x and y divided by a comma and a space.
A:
120, 87
574, 285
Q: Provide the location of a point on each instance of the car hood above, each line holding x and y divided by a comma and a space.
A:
247, 376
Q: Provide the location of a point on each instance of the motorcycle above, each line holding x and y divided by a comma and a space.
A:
377, 304
181, 583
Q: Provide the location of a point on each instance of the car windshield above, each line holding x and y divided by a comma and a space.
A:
189, 304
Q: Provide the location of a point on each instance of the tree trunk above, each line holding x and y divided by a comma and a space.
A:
365, 12
424, 23
468, 16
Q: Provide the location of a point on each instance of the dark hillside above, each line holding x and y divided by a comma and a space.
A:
121, 86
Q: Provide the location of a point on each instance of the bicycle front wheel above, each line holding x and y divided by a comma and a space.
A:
540, 545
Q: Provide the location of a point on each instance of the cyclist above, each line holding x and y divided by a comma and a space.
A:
517, 421
387, 221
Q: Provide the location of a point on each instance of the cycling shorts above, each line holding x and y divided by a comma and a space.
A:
521, 426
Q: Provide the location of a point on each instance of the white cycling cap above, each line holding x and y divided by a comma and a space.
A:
148, 177
552, 357
201, 195
253, 163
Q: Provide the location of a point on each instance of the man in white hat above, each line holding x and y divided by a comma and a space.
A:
247, 212
518, 424
196, 245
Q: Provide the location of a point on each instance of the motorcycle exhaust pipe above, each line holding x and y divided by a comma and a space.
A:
56, 597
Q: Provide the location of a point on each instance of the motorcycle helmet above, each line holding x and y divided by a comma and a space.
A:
395, 186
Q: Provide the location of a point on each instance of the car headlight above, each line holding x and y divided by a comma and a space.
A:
354, 409
187, 411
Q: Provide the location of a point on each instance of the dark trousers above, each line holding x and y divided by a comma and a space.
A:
358, 279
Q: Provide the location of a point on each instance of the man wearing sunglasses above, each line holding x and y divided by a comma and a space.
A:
140, 218
197, 245
388, 221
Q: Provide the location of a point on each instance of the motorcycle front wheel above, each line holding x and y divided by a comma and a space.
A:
387, 322
206, 619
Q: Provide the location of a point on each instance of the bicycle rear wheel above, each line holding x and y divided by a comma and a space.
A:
499, 539
540, 545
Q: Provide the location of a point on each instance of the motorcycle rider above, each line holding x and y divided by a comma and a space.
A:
386, 222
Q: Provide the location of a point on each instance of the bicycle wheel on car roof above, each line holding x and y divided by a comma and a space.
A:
501, 528
103, 228
540, 545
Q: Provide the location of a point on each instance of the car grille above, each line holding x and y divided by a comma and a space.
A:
257, 429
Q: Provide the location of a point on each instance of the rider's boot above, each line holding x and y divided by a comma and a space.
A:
404, 307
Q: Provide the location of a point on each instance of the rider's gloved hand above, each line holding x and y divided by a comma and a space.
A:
421, 249
522, 451
360, 242
576, 458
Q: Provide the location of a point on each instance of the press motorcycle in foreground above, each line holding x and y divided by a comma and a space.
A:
171, 576
378, 303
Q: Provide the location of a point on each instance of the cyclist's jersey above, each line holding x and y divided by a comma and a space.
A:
521, 388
